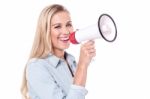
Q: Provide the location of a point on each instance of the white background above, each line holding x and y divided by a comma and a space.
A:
121, 70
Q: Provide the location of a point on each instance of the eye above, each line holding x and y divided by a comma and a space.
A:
69, 25
57, 27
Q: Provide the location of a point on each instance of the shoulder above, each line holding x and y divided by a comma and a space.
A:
36, 69
36, 64
35, 61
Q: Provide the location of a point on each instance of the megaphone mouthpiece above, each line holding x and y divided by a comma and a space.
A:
72, 38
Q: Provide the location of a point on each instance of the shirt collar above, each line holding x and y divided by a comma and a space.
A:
54, 60
70, 58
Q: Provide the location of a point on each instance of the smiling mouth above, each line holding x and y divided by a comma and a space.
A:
64, 38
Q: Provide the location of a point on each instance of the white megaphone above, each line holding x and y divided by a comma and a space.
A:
105, 28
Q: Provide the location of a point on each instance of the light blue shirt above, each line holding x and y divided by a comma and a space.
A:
50, 78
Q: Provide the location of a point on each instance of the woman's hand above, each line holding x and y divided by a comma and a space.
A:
87, 52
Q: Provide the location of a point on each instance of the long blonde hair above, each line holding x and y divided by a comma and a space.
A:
42, 45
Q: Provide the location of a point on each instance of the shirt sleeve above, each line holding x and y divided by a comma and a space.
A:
45, 87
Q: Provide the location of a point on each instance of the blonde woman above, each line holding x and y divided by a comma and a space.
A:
51, 72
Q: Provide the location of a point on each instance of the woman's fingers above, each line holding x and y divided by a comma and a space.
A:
89, 48
89, 43
87, 52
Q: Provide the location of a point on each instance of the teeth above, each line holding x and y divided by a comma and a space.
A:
64, 38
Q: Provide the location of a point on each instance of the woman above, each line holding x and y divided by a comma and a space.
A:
51, 72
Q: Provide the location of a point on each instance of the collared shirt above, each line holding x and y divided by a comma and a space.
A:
50, 78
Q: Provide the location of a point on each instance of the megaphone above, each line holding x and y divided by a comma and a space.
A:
105, 28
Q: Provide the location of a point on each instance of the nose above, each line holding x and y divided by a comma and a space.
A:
65, 31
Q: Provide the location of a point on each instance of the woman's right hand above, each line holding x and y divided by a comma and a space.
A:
87, 52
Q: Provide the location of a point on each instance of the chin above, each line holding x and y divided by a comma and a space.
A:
65, 47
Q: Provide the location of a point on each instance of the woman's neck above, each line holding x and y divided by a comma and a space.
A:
59, 53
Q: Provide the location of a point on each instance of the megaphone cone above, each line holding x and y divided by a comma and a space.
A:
105, 28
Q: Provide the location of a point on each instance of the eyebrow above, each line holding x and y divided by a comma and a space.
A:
60, 23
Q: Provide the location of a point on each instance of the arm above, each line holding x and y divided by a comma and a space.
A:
87, 52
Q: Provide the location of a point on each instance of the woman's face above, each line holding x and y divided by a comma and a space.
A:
61, 26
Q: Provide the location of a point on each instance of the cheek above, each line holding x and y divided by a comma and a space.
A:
54, 36
71, 29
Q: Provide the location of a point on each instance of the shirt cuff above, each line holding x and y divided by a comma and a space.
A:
79, 89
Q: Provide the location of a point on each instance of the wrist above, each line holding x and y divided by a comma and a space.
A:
82, 66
